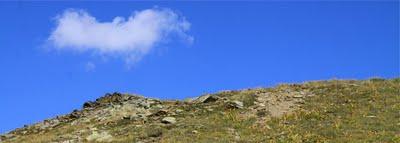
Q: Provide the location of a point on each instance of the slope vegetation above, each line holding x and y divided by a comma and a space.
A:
320, 111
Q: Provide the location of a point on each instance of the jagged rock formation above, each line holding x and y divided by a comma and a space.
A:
251, 115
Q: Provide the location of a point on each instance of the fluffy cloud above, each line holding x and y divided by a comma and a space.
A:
129, 38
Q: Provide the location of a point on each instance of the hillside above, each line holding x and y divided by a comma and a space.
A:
318, 111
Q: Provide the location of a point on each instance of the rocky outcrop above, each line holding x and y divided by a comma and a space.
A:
116, 108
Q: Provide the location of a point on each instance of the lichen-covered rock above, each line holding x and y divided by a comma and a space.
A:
206, 99
168, 120
235, 104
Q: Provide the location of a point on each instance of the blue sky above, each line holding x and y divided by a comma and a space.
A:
236, 45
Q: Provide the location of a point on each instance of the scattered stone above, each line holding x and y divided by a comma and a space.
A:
75, 114
300, 102
160, 113
109, 110
99, 137
206, 99
89, 104
127, 117
178, 110
237, 137
144, 104
261, 113
211, 98
135, 117
158, 106
168, 120
235, 104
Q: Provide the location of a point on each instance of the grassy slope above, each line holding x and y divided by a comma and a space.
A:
341, 111
369, 112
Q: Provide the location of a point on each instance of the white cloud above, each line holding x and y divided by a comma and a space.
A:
129, 38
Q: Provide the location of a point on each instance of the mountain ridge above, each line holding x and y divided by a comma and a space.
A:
250, 115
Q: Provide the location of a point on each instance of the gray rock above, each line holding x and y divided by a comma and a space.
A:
235, 104
89, 104
206, 99
178, 111
168, 120
144, 104
160, 113
158, 106
211, 98
133, 117
75, 114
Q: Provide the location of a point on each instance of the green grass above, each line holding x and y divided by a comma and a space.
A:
340, 111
